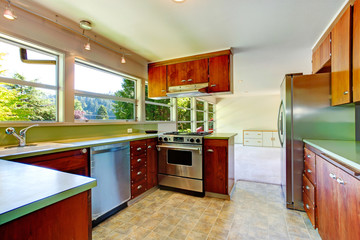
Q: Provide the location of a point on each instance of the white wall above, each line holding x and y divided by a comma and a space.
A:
235, 114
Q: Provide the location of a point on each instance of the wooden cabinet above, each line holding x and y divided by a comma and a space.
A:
219, 166
74, 161
219, 74
143, 166
338, 202
321, 57
187, 73
356, 51
157, 82
341, 60
309, 185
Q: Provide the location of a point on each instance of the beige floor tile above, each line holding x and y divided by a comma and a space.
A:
218, 233
151, 224
154, 236
139, 233
196, 236
179, 233
202, 227
164, 229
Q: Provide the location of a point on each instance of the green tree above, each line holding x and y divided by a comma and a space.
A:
125, 110
78, 105
102, 113
183, 114
155, 112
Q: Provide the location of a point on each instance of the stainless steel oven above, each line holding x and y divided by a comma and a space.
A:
181, 162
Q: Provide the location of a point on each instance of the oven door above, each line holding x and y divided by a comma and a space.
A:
184, 160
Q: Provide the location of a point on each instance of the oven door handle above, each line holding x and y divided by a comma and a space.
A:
179, 148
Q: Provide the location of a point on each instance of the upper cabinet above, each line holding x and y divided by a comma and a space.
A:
212, 70
321, 58
341, 60
356, 52
157, 81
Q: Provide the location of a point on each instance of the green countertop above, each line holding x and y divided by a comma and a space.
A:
345, 152
25, 188
70, 144
220, 135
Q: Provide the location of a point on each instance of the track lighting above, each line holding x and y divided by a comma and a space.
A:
87, 45
9, 13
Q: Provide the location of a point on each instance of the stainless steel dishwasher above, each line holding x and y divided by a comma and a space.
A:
110, 166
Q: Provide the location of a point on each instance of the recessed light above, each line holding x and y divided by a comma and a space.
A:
179, 1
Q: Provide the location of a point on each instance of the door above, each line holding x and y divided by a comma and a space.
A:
157, 81
219, 74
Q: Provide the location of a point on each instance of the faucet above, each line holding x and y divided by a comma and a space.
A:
22, 136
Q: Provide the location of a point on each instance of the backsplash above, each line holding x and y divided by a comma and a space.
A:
54, 133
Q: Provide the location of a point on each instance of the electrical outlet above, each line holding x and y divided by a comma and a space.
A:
129, 130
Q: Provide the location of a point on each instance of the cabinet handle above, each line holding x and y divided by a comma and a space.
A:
346, 92
183, 80
307, 206
307, 187
309, 171
84, 150
138, 149
332, 175
213, 85
139, 187
308, 156
163, 90
149, 146
210, 150
340, 181
139, 173
189, 80
139, 160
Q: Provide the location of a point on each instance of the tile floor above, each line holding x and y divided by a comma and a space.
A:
256, 211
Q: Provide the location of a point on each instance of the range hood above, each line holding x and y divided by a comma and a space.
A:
191, 90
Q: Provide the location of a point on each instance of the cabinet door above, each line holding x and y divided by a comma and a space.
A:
157, 82
356, 52
349, 205
267, 139
340, 60
197, 71
321, 56
177, 74
327, 201
276, 141
219, 74
152, 163
215, 163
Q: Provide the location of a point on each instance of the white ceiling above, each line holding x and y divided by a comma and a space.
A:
270, 37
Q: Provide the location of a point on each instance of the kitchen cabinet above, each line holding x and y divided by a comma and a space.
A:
74, 161
356, 51
152, 162
219, 74
219, 166
309, 185
321, 57
187, 73
261, 138
341, 60
157, 82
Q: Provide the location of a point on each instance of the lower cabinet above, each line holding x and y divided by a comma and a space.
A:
218, 166
74, 161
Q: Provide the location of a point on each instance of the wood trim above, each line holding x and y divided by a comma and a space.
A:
329, 29
190, 58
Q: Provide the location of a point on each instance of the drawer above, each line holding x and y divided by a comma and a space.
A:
138, 188
253, 142
138, 161
308, 189
253, 134
137, 148
309, 157
309, 171
138, 174
310, 209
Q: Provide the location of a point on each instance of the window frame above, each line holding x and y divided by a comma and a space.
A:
59, 56
171, 107
82, 93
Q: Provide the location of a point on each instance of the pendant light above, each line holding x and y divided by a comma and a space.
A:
87, 45
9, 13
86, 25
123, 60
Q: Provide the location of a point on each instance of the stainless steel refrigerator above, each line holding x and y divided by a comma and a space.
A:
305, 112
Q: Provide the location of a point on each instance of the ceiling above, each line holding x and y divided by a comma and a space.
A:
270, 37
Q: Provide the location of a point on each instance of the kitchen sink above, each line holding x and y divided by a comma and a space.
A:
31, 147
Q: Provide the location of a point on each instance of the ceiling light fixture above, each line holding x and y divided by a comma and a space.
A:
86, 25
87, 45
179, 1
123, 60
9, 13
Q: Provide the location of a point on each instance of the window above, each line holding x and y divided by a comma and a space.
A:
184, 114
102, 94
157, 110
211, 117
28, 85
200, 116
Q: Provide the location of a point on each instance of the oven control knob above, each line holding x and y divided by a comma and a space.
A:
191, 140
198, 140
165, 139
160, 139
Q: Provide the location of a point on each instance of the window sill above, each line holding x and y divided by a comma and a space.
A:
59, 124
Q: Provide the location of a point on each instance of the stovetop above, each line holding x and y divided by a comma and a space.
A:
188, 133
183, 137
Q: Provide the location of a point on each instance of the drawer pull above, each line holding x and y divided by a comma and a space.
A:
340, 181
139, 173
332, 175
346, 92
307, 187
210, 150
139, 187
309, 171
138, 149
308, 156
163, 90
183, 80
139, 160
213, 85
149, 146
84, 150
307, 206
189, 80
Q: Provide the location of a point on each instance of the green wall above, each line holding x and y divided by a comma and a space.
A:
53, 133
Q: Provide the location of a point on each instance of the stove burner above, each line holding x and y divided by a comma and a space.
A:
188, 133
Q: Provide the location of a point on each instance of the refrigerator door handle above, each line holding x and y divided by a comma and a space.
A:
280, 124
